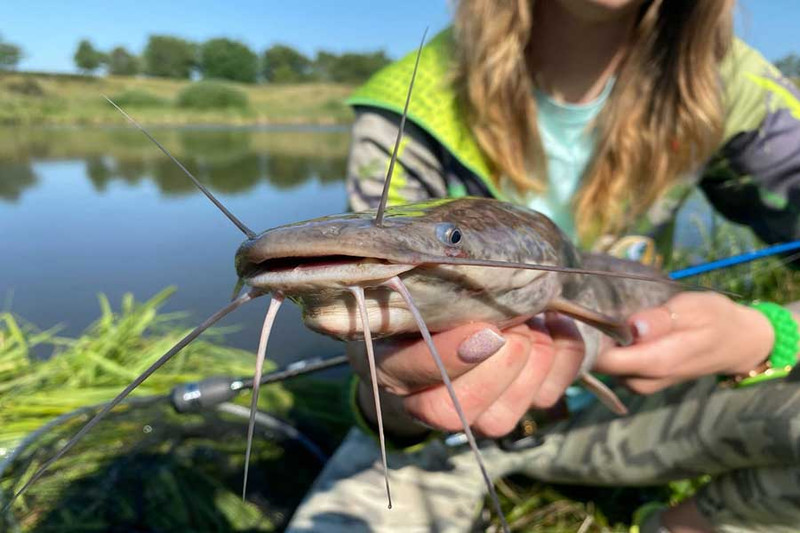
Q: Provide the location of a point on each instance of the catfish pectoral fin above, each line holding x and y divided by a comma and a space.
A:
604, 394
619, 331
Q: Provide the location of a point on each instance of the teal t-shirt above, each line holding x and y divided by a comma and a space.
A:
569, 141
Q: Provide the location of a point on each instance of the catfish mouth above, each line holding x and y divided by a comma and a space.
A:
296, 274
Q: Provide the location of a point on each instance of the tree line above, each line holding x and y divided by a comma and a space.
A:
172, 57
166, 56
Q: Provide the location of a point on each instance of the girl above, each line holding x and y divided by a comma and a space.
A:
605, 115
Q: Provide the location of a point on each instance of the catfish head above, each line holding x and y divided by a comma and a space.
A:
316, 262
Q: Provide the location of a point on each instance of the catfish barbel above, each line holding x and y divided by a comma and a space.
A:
423, 267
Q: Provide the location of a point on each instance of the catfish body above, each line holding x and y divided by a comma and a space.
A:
313, 263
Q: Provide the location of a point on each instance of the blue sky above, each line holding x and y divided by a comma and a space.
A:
49, 30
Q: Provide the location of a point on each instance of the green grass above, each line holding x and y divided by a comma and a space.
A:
32, 99
145, 465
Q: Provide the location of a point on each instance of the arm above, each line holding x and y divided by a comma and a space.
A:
755, 179
418, 174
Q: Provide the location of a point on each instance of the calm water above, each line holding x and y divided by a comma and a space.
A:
86, 211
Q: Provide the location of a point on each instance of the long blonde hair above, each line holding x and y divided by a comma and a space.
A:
663, 118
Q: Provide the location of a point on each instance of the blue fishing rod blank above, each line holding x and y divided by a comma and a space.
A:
734, 260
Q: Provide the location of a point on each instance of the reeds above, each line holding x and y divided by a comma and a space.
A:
146, 464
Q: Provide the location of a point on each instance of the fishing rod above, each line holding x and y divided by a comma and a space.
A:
198, 395
733, 260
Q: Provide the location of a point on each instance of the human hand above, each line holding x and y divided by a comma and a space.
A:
497, 375
694, 334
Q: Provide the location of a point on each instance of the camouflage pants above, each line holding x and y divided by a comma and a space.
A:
748, 439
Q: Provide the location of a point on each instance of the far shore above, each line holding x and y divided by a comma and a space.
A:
32, 99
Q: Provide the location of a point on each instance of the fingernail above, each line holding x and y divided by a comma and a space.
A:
537, 323
640, 328
480, 345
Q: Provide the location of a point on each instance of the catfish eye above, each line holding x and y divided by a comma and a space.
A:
449, 234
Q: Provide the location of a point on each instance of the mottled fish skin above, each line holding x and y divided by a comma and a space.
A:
447, 295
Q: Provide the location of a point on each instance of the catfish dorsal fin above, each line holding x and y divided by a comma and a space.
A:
619, 331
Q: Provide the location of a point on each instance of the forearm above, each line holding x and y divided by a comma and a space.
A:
417, 176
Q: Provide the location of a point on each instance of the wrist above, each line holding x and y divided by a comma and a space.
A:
758, 342
783, 343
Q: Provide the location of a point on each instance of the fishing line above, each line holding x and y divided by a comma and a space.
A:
269, 321
358, 293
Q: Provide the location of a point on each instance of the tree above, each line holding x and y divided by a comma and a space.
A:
356, 68
10, 54
324, 65
122, 63
348, 67
789, 65
229, 60
169, 57
87, 57
284, 64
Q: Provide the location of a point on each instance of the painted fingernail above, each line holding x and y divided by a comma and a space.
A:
537, 323
480, 345
640, 328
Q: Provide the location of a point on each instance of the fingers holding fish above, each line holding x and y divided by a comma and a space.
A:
476, 389
569, 349
405, 366
494, 393
693, 335
502, 416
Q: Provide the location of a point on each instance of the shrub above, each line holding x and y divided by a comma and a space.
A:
212, 95
26, 87
139, 98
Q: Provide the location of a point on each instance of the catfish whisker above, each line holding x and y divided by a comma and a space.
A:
207, 323
269, 320
388, 181
238, 223
397, 284
358, 293
437, 260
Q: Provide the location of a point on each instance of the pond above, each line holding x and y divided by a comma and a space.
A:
101, 210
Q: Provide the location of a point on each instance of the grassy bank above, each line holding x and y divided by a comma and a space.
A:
31, 98
145, 467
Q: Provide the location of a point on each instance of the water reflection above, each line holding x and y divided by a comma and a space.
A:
228, 160
15, 178
103, 210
